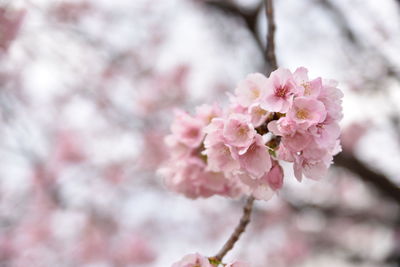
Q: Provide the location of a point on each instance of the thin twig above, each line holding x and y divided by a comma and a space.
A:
270, 50
240, 228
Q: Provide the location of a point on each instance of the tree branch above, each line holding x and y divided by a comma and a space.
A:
240, 228
344, 25
382, 183
270, 50
249, 16
342, 212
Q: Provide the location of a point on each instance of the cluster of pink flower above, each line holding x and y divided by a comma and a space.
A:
187, 172
197, 260
236, 151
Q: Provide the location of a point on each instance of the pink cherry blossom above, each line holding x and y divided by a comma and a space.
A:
187, 129
265, 186
230, 152
258, 115
256, 161
236, 108
258, 188
283, 126
280, 93
297, 141
315, 152
315, 170
307, 111
206, 113
275, 176
238, 131
176, 148
221, 157
283, 153
250, 90
193, 180
193, 260
331, 97
325, 134
187, 171
310, 88
237, 264
213, 132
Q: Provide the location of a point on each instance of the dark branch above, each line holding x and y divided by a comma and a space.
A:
270, 50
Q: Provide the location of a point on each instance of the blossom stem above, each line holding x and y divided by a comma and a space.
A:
240, 228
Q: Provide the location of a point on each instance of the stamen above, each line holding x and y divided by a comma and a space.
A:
307, 88
242, 131
281, 91
302, 114
255, 92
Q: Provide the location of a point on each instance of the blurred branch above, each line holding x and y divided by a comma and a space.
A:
249, 16
343, 24
341, 212
341, 21
326, 244
382, 183
395, 121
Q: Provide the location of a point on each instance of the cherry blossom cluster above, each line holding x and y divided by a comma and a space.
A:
197, 260
187, 170
285, 117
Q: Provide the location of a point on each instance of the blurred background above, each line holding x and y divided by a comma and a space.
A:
87, 92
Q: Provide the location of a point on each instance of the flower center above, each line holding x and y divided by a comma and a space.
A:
242, 131
307, 88
259, 111
281, 91
255, 92
302, 114
193, 132
225, 151
210, 117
